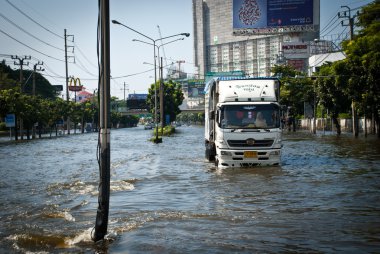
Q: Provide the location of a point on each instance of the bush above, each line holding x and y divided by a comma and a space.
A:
168, 130
3, 127
344, 116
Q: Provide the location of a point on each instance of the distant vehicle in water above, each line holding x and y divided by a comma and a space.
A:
148, 126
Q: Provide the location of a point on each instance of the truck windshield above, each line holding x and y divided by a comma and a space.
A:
249, 116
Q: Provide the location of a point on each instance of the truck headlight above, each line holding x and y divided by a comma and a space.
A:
275, 153
226, 153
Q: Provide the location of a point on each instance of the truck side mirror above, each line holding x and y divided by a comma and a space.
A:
212, 115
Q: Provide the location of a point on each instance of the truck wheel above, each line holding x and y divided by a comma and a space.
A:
210, 152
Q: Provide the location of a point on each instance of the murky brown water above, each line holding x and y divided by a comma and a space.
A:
325, 197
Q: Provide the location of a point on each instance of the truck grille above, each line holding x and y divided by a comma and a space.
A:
244, 143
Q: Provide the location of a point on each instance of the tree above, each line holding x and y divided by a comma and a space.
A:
9, 78
331, 90
363, 63
173, 98
296, 88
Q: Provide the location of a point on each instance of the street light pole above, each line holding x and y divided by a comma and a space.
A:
160, 66
155, 71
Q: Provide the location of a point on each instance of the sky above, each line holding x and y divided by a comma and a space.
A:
36, 28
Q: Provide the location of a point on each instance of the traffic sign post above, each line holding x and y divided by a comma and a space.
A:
10, 121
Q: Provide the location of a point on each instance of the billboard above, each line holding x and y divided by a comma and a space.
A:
195, 88
295, 50
138, 96
271, 13
137, 101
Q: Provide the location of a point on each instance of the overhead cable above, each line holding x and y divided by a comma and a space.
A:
30, 47
23, 13
22, 29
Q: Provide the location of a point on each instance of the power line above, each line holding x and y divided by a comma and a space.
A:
84, 56
30, 47
82, 67
134, 74
337, 24
22, 29
23, 13
329, 24
30, 7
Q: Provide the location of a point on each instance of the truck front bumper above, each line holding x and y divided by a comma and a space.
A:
227, 158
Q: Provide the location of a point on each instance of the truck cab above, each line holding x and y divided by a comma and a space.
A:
243, 126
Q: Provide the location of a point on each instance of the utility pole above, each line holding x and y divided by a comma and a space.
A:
355, 122
34, 75
101, 223
21, 63
125, 85
34, 90
162, 111
67, 75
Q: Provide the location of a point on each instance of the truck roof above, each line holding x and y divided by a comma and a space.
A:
245, 88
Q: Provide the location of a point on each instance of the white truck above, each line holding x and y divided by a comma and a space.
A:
242, 122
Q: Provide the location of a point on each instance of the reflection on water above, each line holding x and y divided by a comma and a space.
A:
165, 198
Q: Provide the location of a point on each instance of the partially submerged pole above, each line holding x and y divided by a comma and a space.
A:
104, 142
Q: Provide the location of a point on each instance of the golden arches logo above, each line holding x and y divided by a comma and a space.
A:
74, 87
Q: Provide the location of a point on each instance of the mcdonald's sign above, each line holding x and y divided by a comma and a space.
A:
75, 87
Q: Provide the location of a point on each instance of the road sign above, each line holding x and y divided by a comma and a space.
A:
10, 120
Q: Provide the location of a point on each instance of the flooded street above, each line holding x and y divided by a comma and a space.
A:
166, 198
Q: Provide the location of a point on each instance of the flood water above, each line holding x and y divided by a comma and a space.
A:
166, 198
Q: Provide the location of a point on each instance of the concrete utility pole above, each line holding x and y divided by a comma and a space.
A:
67, 74
21, 63
34, 75
34, 90
125, 85
162, 111
101, 223
355, 121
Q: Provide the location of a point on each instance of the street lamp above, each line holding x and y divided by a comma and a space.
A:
154, 58
160, 77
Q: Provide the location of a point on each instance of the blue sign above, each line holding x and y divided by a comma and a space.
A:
290, 13
271, 13
137, 96
10, 120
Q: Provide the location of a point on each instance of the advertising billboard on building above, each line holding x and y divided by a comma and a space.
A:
195, 88
138, 96
137, 101
271, 13
295, 50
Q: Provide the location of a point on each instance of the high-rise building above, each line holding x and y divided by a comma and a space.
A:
251, 36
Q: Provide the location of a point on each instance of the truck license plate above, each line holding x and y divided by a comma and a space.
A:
250, 154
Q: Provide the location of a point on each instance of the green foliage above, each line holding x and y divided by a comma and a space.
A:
168, 130
295, 89
3, 126
191, 117
363, 62
173, 98
331, 88
11, 79
344, 116
129, 120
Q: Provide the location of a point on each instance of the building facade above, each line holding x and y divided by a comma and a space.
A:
220, 46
